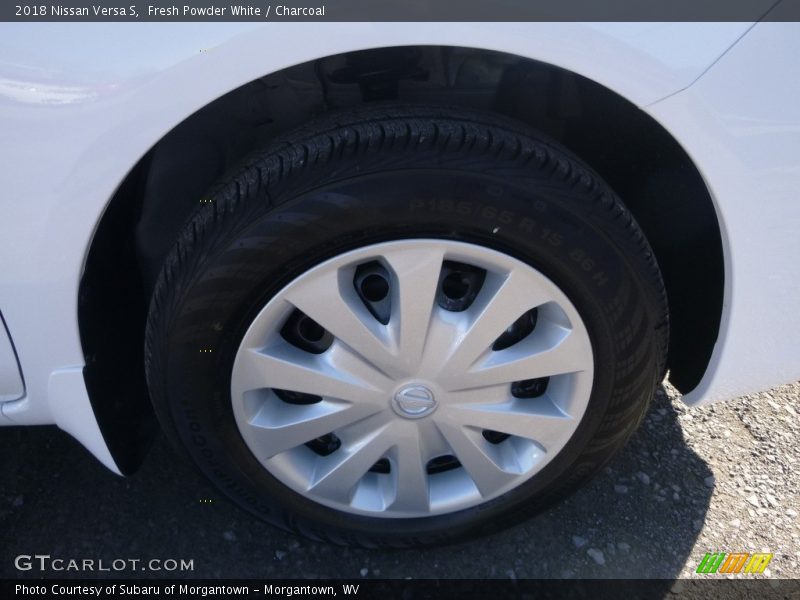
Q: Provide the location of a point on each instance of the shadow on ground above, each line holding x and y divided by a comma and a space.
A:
638, 519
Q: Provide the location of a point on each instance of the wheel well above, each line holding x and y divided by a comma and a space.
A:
639, 159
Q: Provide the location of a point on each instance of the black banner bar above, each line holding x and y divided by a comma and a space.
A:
419, 589
398, 10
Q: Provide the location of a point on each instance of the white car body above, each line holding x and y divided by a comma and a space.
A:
80, 104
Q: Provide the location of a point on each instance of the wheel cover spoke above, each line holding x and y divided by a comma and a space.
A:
545, 426
417, 278
410, 410
410, 480
287, 368
474, 455
338, 474
567, 355
287, 426
335, 307
502, 300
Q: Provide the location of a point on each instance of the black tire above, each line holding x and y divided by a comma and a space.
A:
388, 173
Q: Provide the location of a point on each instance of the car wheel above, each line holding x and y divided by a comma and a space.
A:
404, 326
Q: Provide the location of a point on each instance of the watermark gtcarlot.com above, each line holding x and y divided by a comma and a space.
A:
45, 562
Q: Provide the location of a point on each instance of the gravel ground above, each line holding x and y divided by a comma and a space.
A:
751, 447
720, 478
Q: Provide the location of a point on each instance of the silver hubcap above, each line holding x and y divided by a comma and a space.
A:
412, 378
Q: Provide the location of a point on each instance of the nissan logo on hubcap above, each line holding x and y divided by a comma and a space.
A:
414, 401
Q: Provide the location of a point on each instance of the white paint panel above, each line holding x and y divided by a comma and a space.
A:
741, 125
72, 412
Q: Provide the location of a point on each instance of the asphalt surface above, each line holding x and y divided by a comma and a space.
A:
719, 478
